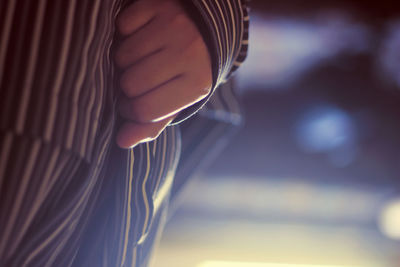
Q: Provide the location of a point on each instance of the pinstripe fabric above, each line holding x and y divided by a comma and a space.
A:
225, 25
68, 196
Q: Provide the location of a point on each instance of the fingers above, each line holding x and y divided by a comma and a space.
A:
165, 67
173, 95
146, 41
152, 72
166, 100
135, 16
131, 133
142, 12
159, 33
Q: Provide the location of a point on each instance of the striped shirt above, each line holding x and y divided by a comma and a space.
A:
68, 195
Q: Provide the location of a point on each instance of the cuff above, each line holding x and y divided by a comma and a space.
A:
224, 26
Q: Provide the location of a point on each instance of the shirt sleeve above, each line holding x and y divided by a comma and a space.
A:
224, 25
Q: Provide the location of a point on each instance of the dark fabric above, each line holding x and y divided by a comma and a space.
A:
68, 195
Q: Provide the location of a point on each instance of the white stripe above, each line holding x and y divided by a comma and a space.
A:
233, 31
154, 147
226, 33
60, 71
128, 210
98, 108
32, 61
56, 252
217, 31
163, 153
87, 122
80, 79
146, 201
41, 195
165, 189
125, 205
6, 35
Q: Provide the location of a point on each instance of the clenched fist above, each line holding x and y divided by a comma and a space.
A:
165, 67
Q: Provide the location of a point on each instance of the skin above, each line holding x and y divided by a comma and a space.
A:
165, 67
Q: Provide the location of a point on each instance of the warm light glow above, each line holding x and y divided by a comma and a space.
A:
389, 221
258, 264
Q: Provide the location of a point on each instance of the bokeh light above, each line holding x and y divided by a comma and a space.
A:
389, 221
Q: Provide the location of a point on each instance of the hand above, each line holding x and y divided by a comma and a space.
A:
165, 66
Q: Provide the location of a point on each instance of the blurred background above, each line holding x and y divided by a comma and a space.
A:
311, 178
